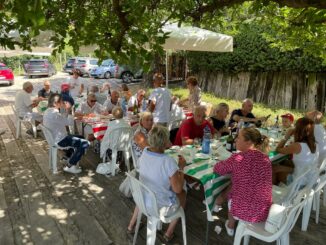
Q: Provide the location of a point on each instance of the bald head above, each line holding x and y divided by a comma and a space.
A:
247, 105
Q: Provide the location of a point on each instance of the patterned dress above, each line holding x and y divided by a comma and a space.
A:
251, 176
136, 148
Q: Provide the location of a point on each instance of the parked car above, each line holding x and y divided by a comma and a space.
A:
109, 69
6, 75
70, 65
85, 65
105, 70
39, 67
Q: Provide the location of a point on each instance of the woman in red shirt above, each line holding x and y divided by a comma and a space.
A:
250, 196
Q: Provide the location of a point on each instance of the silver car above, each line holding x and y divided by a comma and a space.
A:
85, 65
105, 70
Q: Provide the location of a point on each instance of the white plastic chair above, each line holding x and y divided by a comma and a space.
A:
139, 190
19, 120
53, 149
282, 235
134, 159
119, 140
314, 197
285, 195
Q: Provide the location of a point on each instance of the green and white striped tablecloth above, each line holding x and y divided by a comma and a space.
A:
213, 183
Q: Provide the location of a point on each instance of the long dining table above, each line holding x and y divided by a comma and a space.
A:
200, 168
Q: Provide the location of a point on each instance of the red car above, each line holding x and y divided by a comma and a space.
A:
6, 75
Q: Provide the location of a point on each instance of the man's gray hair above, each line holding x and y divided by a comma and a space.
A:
200, 108
26, 85
247, 100
141, 91
158, 137
94, 89
117, 112
91, 96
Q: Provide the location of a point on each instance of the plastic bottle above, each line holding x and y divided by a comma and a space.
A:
124, 106
206, 140
240, 125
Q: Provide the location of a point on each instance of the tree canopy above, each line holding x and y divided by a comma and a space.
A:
120, 29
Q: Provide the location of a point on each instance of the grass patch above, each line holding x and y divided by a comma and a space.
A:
259, 110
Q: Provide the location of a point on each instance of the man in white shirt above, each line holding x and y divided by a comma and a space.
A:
112, 101
160, 101
90, 106
137, 99
24, 105
56, 123
76, 84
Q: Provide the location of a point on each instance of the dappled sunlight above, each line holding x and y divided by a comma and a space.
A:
2, 213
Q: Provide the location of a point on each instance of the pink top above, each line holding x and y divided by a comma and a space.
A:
251, 193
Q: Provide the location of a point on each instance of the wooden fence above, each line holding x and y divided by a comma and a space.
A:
295, 90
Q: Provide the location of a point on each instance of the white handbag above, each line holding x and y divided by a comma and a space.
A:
276, 216
103, 168
125, 187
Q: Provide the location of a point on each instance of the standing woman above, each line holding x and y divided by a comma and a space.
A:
194, 97
250, 196
304, 150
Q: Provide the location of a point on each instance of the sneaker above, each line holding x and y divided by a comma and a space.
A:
217, 208
30, 132
229, 230
73, 169
2, 131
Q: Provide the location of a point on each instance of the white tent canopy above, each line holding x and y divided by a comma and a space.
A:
194, 39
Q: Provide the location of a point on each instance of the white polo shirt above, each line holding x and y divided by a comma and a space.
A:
57, 122
86, 109
162, 99
108, 106
23, 103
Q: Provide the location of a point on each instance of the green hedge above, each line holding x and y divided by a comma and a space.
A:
253, 53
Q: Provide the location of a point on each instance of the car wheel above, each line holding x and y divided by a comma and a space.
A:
30, 76
127, 77
107, 75
11, 83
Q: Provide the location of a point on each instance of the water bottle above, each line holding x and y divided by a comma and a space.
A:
124, 106
144, 105
206, 140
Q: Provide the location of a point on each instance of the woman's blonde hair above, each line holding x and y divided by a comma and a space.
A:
219, 107
158, 137
144, 115
261, 142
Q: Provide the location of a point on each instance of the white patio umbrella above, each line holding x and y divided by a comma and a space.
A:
194, 39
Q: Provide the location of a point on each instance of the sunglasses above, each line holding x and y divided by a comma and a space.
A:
93, 101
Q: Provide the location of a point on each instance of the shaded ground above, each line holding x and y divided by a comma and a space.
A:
37, 207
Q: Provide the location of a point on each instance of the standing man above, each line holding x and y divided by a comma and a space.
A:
45, 92
160, 101
56, 123
24, 105
76, 84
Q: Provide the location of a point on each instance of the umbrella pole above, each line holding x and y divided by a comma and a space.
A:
167, 68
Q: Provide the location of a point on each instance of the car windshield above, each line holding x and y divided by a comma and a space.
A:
71, 61
36, 62
81, 62
107, 63
3, 68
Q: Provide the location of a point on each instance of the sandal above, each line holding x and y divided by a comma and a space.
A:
167, 239
132, 232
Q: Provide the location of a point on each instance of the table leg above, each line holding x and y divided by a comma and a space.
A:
207, 232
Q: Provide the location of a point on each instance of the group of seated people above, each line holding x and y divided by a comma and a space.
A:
252, 174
